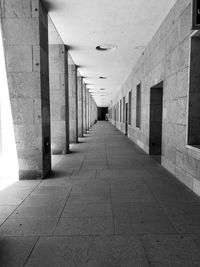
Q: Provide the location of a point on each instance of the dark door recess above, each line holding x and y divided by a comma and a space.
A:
156, 113
126, 123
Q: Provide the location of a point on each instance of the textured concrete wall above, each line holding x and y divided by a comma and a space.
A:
167, 59
58, 61
73, 101
80, 105
25, 30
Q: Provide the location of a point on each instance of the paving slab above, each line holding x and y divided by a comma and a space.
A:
107, 203
14, 251
60, 251
172, 250
74, 226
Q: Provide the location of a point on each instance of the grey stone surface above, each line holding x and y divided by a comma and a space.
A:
84, 108
14, 251
80, 104
117, 251
26, 55
27, 226
171, 58
58, 62
60, 251
73, 101
120, 217
73, 226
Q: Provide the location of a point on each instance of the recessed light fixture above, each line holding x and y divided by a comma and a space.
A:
103, 77
139, 47
102, 89
106, 47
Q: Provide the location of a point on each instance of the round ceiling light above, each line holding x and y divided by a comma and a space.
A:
102, 89
106, 47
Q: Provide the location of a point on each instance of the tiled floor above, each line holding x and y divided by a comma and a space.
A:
107, 204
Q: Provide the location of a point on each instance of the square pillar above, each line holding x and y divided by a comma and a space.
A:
87, 109
84, 108
25, 30
58, 68
91, 122
80, 105
90, 110
73, 101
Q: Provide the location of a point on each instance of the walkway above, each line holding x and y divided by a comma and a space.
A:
106, 205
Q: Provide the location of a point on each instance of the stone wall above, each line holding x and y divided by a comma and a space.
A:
93, 111
167, 59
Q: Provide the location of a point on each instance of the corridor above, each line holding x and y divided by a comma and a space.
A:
106, 204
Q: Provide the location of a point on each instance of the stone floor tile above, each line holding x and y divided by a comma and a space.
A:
52, 190
172, 250
93, 197
138, 209
85, 226
135, 196
2, 221
130, 199
107, 173
60, 251
117, 251
6, 211
37, 212
44, 200
14, 196
84, 174
143, 225
28, 227
14, 251
87, 210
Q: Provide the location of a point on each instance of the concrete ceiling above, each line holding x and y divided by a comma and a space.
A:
128, 24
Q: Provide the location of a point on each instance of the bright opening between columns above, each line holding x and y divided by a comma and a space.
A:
9, 169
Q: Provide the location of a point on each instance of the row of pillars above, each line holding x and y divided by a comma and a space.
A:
51, 106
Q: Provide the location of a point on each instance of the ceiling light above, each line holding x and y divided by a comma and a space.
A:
102, 89
106, 47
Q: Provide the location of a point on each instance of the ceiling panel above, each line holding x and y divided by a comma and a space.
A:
129, 24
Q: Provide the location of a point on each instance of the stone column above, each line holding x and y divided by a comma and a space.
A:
84, 108
58, 68
73, 101
80, 106
87, 109
91, 123
25, 30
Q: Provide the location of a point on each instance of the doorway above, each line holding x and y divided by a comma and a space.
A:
156, 113
126, 122
102, 113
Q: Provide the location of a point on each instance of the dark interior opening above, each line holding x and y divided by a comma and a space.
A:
156, 112
126, 120
102, 113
